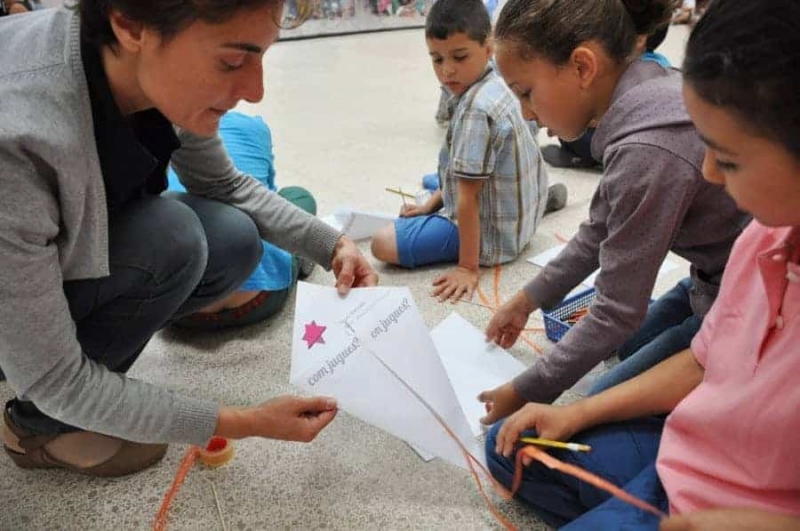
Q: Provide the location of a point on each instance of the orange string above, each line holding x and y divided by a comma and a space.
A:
499, 302
189, 458
497, 269
468, 457
531, 344
584, 475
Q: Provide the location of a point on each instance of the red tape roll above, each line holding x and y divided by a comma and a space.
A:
218, 452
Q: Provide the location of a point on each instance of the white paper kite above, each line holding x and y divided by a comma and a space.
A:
372, 351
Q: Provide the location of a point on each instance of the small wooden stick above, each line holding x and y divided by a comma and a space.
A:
219, 507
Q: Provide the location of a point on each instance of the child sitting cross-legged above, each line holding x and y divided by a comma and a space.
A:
494, 188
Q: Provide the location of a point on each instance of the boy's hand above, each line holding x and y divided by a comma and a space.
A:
410, 211
500, 403
456, 284
550, 422
509, 320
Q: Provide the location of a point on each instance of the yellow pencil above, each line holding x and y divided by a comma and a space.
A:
400, 192
575, 447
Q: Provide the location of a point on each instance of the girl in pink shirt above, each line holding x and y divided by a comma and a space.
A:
726, 456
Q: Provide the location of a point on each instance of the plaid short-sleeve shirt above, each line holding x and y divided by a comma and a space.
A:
488, 139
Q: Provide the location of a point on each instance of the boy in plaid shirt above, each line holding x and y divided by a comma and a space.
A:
494, 189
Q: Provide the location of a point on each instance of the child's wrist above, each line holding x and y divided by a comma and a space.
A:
524, 303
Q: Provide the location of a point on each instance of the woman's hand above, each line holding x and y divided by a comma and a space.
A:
557, 423
351, 268
287, 418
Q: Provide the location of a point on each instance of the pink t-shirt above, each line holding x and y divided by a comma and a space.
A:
735, 440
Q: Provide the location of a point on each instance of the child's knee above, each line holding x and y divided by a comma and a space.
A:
501, 467
384, 245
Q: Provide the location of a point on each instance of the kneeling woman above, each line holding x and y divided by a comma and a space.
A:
94, 261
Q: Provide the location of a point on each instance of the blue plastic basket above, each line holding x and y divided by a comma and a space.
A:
555, 324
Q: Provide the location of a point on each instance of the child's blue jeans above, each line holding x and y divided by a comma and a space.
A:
668, 329
624, 454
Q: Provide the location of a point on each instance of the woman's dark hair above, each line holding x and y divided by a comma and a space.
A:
448, 17
168, 17
552, 29
744, 55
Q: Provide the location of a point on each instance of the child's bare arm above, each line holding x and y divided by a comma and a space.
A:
464, 279
654, 392
741, 519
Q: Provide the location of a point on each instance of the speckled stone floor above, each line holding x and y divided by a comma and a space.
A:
349, 116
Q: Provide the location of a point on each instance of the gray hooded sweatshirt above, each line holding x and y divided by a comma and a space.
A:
651, 199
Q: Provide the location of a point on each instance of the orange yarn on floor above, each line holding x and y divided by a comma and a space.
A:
218, 452
183, 470
498, 302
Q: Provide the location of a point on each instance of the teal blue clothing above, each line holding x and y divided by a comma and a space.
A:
658, 58
249, 143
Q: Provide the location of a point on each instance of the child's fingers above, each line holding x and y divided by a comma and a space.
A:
470, 292
511, 338
508, 336
486, 397
447, 292
458, 293
512, 431
493, 329
439, 288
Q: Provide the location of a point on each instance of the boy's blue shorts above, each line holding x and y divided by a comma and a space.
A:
424, 240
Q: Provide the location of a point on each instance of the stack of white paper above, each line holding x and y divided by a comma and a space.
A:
472, 364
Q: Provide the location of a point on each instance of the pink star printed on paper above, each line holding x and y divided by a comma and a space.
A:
313, 334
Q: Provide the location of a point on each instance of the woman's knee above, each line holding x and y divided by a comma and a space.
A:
236, 241
161, 237
234, 244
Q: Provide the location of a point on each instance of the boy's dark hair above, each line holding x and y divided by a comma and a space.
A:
655, 39
448, 17
743, 56
552, 29
167, 18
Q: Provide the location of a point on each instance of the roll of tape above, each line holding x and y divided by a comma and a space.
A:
218, 452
